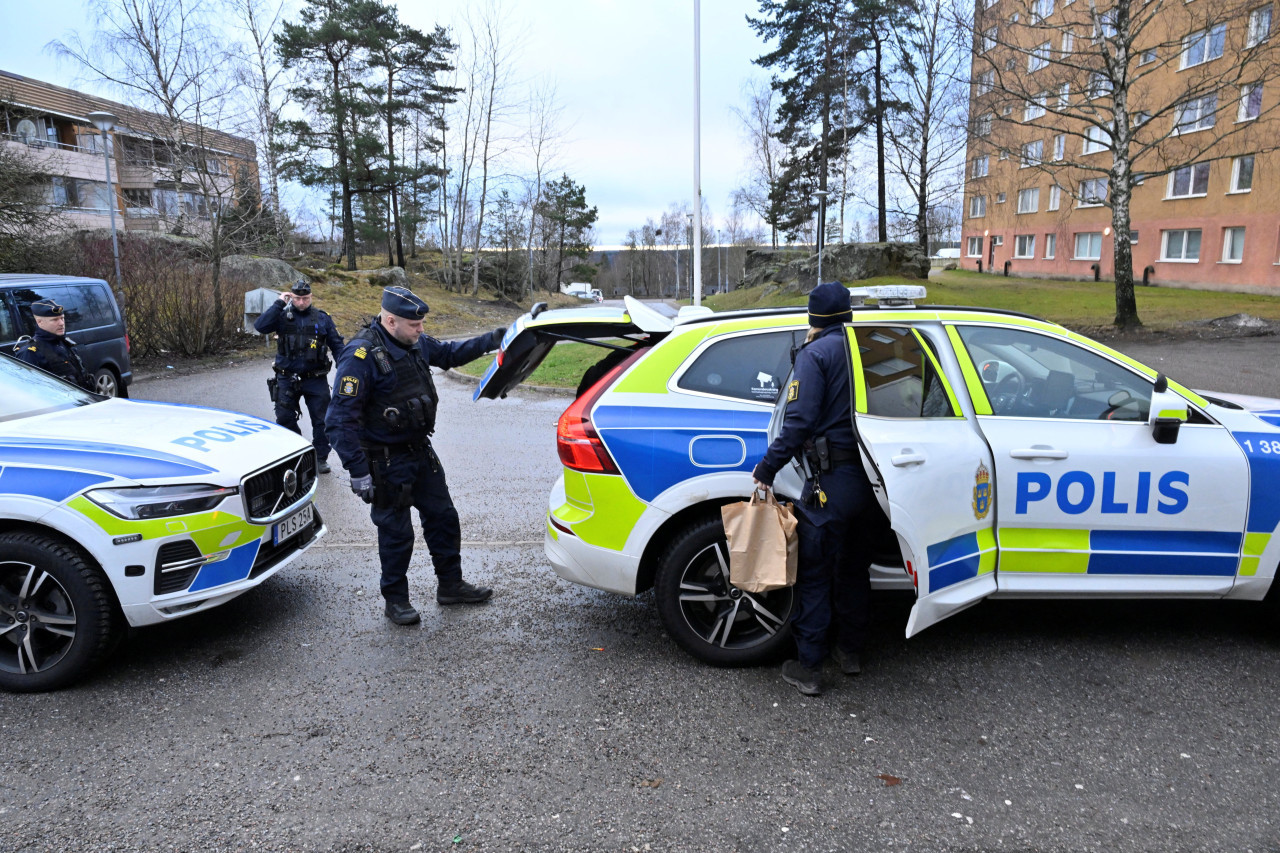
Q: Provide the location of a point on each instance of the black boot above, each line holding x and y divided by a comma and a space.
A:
402, 613
807, 681
461, 592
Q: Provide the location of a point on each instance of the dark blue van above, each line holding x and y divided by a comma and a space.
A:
94, 322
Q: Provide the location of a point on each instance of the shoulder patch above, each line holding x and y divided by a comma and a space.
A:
793, 391
348, 386
360, 352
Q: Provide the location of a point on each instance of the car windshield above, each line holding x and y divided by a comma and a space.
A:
26, 391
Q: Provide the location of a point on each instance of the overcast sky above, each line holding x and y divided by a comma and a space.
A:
623, 70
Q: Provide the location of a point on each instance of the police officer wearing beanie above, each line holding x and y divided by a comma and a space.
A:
838, 516
305, 336
50, 348
380, 421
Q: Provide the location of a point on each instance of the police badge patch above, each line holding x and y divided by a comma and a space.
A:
793, 391
347, 386
981, 492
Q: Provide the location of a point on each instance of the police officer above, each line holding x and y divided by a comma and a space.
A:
305, 335
50, 348
381, 420
838, 516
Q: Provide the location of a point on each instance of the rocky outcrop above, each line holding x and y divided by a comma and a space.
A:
388, 277
844, 262
260, 272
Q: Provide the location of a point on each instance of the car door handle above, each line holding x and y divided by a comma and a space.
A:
902, 460
1039, 452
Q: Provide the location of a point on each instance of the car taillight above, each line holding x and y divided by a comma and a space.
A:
128, 347
577, 441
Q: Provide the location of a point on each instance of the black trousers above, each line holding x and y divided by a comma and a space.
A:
405, 480
837, 543
315, 391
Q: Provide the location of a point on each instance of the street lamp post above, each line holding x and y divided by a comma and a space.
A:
692, 257
106, 122
820, 196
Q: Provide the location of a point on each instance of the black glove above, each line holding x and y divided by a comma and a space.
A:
495, 338
363, 486
763, 474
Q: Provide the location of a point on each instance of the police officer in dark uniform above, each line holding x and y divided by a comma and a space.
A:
305, 335
50, 348
381, 420
838, 516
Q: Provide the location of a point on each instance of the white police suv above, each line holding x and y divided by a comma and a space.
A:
116, 513
1012, 456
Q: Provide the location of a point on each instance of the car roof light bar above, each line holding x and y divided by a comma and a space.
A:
894, 295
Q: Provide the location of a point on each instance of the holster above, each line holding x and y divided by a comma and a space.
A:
273, 388
818, 454
387, 496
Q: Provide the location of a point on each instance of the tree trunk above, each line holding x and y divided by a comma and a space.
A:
344, 171
882, 218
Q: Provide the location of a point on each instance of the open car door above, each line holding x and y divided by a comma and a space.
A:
532, 336
930, 467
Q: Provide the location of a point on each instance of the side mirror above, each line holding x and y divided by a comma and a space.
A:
1168, 412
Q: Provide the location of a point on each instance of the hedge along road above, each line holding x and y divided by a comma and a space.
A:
559, 718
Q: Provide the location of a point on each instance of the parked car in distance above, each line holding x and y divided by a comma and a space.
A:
94, 322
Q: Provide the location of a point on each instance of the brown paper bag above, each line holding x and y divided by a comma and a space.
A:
763, 543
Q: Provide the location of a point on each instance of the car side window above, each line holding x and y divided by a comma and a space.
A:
746, 367
94, 305
901, 378
8, 329
1027, 374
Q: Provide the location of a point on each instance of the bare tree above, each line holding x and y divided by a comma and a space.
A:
1152, 87
758, 120
544, 137
260, 74
28, 222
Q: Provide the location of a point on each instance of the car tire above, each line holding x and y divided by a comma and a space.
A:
106, 383
711, 620
57, 616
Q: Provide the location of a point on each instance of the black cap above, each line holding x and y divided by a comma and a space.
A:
403, 302
829, 304
46, 308
301, 287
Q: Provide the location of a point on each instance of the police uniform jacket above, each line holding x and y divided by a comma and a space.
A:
302, 339
819, 403
361, 387
56, 354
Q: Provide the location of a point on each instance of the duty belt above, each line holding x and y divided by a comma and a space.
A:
289, 374
387, 451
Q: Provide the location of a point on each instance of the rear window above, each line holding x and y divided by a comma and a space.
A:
86, 306
748, 367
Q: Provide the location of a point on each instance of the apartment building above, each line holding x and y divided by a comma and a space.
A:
1195, 85
164, 177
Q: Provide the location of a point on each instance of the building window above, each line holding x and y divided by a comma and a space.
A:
1242, 174
984, 82
1059, 146
979, 167
1035, 107
1024, 246
1093, 192
1181, 245
1133, 236
1000, 197
1032, 153
1189, 181
988, 38
1259, 26
1140, 118
1014, 18
1055, 197
1099, 85
1064, 94
1095, 139
1041, 9
974, 247
1039, 57
1105, 24
1138, 179
1004, 154
983, 127
1029, 200
1009, 65
1250, 102
987, 4
977, 206
1068, 42
78, 194
1232, 245
1148, 56
1008, 108
1203, 46
997, 240
1196, 114
1050, 246
1089, 246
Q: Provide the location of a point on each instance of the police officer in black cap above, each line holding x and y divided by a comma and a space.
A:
50, 348
381, 420
305, 336
839, 517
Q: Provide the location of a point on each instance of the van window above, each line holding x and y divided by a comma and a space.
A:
747, 367
85, 306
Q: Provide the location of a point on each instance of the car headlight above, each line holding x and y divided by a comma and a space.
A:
143, 502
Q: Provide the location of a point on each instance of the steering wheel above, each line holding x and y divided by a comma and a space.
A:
1007, 392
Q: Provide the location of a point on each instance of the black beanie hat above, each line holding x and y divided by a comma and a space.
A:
829, 304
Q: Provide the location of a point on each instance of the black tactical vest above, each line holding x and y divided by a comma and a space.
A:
62, 361
302, 338
410, 406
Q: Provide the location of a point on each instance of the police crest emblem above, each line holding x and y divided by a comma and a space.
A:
793, 391
348, 386
981, 492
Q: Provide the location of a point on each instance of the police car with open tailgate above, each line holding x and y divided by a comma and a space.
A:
1013, 458
116, 513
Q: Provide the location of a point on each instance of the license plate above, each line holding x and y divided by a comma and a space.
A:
300, 520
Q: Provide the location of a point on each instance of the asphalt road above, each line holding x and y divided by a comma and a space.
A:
560, 718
